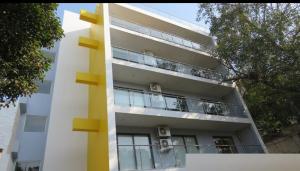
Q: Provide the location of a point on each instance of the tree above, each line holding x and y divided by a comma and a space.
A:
259, 44
25, 28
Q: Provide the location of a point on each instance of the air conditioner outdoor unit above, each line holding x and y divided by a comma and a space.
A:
165, 144
163, 131
155, 87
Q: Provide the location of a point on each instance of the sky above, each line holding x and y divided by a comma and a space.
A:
182, 11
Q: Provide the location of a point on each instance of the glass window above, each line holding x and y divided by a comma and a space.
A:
23, 108
44, 86
134, 152
179, 149
183, 145
225, 144
143, 152
35, 123
121, 97
190, 143
126, 153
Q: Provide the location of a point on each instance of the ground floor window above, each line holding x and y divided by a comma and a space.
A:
225, 144
134, 152
183, 145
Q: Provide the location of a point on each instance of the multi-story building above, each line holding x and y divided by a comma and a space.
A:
153, 95
31, 134
24, 125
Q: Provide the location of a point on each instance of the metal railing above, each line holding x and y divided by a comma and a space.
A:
159, 34
147, 157
140, 98
159, 62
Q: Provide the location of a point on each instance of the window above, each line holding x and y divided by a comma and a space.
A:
134, 152
225, 144
1, 150
23, 108
44, 86
35, 123
183, 145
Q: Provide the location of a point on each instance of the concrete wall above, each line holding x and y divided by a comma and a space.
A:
244, 162
287, 144
31, 145
66, 150
9, 118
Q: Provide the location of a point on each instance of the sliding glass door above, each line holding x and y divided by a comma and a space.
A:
134, 152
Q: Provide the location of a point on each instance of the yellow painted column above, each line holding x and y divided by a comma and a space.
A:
97, 122
98, 156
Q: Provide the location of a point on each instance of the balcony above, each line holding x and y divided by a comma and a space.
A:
151, 157
162, 101
159, 62
160, 35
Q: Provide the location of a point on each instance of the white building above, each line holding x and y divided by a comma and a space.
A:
153, 95
24, 126
9, 119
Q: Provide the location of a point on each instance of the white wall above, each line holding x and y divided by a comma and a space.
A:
66, 150
243, 162
9, 118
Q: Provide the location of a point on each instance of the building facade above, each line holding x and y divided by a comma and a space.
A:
145, 93
31, 130
9, 119
24, 125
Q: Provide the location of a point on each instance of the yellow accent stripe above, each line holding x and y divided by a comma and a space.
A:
87, 78
98, 145
89, 17
88, 125
89, 43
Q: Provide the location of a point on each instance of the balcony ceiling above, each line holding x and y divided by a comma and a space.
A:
137, 43
125, 119
128, 74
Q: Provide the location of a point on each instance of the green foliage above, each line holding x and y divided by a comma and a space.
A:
259, 44
24, 30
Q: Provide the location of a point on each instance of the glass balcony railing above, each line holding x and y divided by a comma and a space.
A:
159, 34
147, 157
158, 62
139, 98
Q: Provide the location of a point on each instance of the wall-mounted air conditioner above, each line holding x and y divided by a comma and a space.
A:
155, 87
163, 131
165, 144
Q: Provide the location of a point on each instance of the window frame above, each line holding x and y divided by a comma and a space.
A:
184, 142
45, 126
234, 151
135, 157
